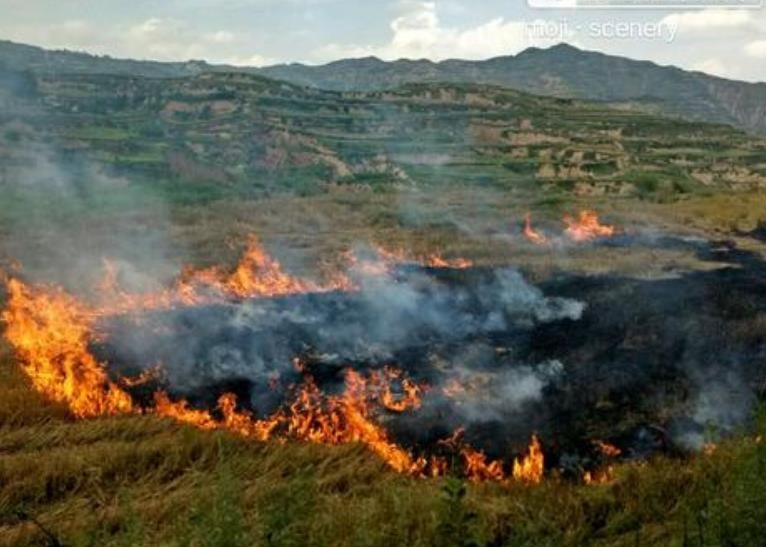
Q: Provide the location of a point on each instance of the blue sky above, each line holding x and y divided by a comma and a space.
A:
730, 43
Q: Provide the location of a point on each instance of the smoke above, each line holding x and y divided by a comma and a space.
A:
722, 403
423, 323
476, 396
63, 215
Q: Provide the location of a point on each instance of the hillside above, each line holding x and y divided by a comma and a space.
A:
239, 134
561, 71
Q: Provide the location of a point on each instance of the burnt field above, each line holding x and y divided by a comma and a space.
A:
661, 365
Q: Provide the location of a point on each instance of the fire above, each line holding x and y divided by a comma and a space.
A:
453, 388
410, 398
478, 468
312, 417
437, 261
604, 475
530, 468
346, 418
113, 300
607, 450
532, 235
50, 331
257, 274
586, 227
433, 260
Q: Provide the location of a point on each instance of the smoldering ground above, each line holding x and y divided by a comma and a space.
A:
651, 365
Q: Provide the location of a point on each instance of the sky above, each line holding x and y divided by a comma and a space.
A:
728, 43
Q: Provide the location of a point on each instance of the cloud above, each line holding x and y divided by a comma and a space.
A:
417, 33
710, 19
155, 38
714, 66
756, 49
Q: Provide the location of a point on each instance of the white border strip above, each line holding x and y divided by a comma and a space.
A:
644, 4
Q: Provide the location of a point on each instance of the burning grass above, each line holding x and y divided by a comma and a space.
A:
50, 332
146, 480
126, 477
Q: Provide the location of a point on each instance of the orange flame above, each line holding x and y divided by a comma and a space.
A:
256, 275
477, 468
346, 419
433, 260
530, 468
604, 475
437, 261
532, 235
50, 331
586, 227
606, 449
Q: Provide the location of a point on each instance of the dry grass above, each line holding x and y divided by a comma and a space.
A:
140, 480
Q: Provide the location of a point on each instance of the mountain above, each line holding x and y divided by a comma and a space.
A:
560, 71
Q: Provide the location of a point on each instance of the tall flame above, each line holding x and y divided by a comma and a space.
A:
530, 468
50, 331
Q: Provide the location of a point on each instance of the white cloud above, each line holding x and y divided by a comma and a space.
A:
709, 19
756, 49
155, 38
418, 33
714, 66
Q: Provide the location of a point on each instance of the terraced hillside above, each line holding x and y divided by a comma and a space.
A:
247, 135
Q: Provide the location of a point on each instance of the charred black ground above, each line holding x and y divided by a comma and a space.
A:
646, 364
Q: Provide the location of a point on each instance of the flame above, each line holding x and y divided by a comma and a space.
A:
257, 274
453, 388
346, 418
603, 475
113, 300
410, 398
606, 449
312, 417
433, 260
532, 235
530, 468
478, 468
50, 332
586, 227
437, 261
